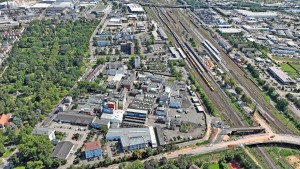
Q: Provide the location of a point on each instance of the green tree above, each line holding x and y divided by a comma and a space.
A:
104, 129
34, 148
149, 152
108, 58
151, 164
100, 61
135, 165
137, 154
238, 90
2, 149
34, 164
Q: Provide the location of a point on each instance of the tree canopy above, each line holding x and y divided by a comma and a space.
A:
44, 64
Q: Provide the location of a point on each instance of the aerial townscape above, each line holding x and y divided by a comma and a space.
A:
150, 84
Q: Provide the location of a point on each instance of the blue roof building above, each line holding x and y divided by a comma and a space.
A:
92, 149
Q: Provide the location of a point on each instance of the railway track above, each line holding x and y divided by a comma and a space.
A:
219, 99
242, 78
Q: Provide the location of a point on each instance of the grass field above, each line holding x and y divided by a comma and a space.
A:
290, 70
296, 66
285, 59
214, 166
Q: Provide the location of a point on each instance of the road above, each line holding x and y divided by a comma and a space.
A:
92, 51
249, 140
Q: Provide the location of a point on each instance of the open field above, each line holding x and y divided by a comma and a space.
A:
285, 59
296, 66
290, 70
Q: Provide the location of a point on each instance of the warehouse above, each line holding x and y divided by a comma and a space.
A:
133, 138
135, 8
257, 14
77, 119
280, 75
230, 30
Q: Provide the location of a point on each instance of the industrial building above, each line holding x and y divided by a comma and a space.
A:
115, 117
162, 34
137, 113
135, 8
251, 14
75, 118
62, 150
280, 75
230, 30
133, 138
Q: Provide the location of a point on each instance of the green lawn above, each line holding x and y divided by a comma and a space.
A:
296, 66
285, 59
214, 166
289, 70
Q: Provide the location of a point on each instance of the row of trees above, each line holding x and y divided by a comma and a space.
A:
293, 99
185, 161
281, 103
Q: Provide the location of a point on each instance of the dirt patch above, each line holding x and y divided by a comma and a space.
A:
226, 138
234, 165
294, 160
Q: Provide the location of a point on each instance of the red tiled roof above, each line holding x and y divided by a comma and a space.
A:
4, 119
92, 145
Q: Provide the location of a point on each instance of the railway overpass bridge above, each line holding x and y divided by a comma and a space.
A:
165, 5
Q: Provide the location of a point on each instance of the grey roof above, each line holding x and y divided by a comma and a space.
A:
75, 118
62, 150
101, 121
132, 136
42, 131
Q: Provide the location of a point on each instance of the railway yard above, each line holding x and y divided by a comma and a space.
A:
207, 82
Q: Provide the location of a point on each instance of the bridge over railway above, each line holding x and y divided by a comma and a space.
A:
247, 140
165, 5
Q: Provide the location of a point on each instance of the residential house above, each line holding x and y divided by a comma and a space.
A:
4, 120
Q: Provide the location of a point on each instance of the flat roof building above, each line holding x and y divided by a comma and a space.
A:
133, 138
257, 14
115, 117
230, 30
135, 8
75, 118
137, 113
280, 75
